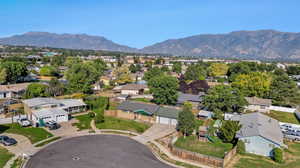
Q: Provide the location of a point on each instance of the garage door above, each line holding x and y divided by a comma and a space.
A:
164, 120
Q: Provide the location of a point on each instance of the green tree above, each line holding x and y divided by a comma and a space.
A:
218, 69
224, 98
241, 149
14, 70
164, 89
177, 67
195, 72
253, 84
49, 71
72, 61
135, 68
122, 75
3, 76
153, 72
186, 120
58, 60
278, 155
228, 130
55, 87
282, 89
36, 90
293, 70
81, 77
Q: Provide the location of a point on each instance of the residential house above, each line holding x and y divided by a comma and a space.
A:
258, 104
195, 100
51, 109
161, 114
133, 89
13, 90
204, 114
260, 133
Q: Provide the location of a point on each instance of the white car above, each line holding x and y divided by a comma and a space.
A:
24, 122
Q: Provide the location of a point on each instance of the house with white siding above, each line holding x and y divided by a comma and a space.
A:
260, 133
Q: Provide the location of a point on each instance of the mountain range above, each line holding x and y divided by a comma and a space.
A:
260, 44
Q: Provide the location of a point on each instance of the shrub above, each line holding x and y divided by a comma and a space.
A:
91, 114
99, 118
241, 149
277, 155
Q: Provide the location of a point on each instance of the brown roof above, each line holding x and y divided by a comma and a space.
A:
258, 101
13, 87
134, 87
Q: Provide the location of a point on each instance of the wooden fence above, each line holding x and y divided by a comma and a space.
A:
129, 116
201, 158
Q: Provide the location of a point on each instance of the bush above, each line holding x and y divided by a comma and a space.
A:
92, 114
277, 155
99, 118
241, 149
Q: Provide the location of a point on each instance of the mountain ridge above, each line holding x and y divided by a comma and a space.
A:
244, 44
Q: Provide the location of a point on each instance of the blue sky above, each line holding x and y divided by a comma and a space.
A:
138, 23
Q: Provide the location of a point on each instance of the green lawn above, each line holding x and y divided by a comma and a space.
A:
84, 122
32, 133
291, 160
122, 124
47, 141
142, 100
284, 117
4, 156
216, 149
17, 163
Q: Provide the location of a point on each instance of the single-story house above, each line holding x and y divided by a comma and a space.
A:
195, 100
52, 114
68, 105
133, 89
167, 115
258, 104
260, 133
13, 90
122, 97
161, 114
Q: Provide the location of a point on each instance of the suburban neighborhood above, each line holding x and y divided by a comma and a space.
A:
219, 99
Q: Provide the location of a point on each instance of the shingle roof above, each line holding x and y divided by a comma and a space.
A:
49, 111
258, 101
168, 112
40, 101
183, 97
135, 106
257, 124
13, 87
133, 87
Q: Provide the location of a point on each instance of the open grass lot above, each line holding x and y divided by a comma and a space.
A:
84, 122
142, 100
216, 149
32, 133
4, 156
291, 159
284, 117
122, 124
47, 141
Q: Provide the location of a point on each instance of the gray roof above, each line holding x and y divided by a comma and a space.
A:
183, 97
134, 87
168, 112
41, 101
49, 111
61, 102
134, 106
257, 124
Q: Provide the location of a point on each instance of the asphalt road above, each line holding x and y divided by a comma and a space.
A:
96, 151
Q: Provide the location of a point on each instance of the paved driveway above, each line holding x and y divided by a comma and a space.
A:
94, 151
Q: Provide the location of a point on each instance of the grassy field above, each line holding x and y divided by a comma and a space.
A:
284, 117
291, 159
4, 156
47, 142
32, 133
17, 163
122, 124
216, 149
84, 122
142, 100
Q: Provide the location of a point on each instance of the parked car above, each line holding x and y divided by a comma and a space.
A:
7, 141
24, 122
52, 125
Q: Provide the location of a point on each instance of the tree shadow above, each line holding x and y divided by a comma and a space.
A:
3, 128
